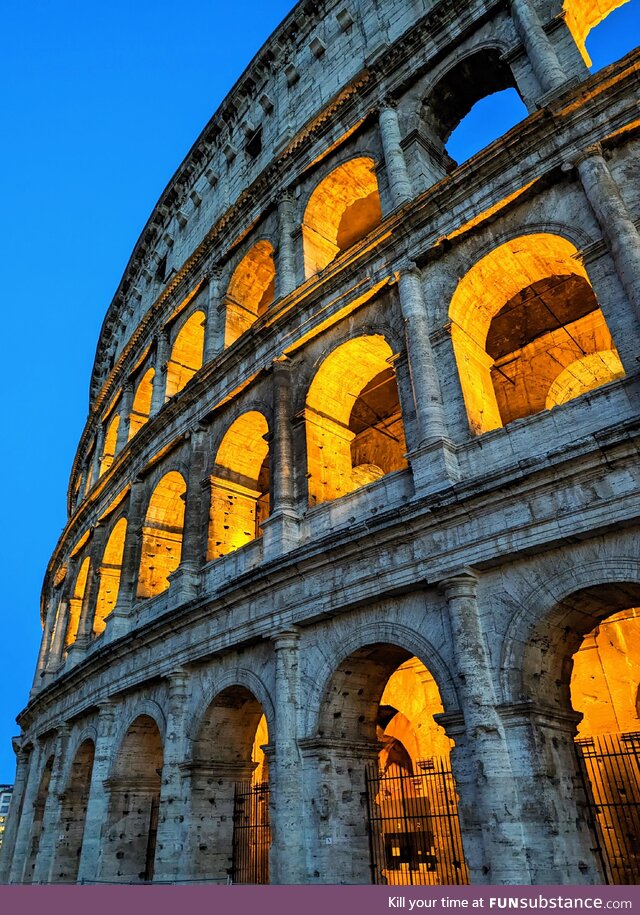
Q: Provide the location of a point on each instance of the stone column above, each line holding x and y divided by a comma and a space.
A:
432, 457
43, 654
118, 620
126, 404
160, 372
23, 831
540, 51
395, 162
97, 454
288, 848
51, 817
170, 842
280, 530
186, 578
618, 228
286, 264
60, 632
489, 805
214, 328
98, 804
16, 807
91, 588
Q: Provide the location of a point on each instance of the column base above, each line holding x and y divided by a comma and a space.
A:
280, 533
185, 582
557, 91
434, 467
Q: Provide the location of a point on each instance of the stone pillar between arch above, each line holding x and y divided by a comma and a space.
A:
286, 263
555, 818
51, 819
23, 833
186, 579
160, 372
23, 758
395, 162
118, 620
125, 417
98, 805
336, 809
492, 832
214, 327
540, 51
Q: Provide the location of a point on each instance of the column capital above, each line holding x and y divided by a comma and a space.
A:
460, 584
387, 103
286, 639
577, 156
408, 268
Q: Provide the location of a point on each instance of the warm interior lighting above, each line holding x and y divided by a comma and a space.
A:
239, 485
162, 535
524, 315
343, 209
109, 447
186, 354
141, 406
251, 290
75, 602
110, 570
584, 15
354, 424
606, 676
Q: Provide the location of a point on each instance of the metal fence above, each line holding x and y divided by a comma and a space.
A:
610, 765
251, 833
414, 828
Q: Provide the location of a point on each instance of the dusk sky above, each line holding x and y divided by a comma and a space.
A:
101, 104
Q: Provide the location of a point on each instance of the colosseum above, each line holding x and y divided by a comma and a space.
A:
346, 592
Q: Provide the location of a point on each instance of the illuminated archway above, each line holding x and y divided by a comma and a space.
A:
141, 406
584, 15
228, 761
73, 811
354, 426
129, 844
251, 290
343, 209
110, 441
75, 602
521, 316
239, 485
380, 703
110, 570
162, 535
186, 354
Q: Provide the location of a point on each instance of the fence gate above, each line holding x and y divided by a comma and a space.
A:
414, 830
251, 833
610, 766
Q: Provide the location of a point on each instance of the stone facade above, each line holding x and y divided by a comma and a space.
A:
306, 493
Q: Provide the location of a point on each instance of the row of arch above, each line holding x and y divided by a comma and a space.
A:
376, 693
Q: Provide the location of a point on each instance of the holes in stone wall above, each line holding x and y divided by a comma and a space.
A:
186, 354
251, 290
162, 535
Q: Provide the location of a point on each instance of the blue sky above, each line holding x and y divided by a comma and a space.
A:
101, 102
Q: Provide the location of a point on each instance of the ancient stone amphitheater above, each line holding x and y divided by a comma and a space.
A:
346, 591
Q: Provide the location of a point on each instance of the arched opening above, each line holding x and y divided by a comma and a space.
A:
239, 486
129, 844
581, 667
186, 354
230, 833
75, 602
251, 290
583, 16
480, 88
380, 706
162, 535
109, 447
73, 815
141, 406
38, 821
110, 570
527, 332
353, 420
341, 211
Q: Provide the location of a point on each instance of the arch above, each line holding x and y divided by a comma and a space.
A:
73, 810
134, 796
354, 430
37, 822
141, 406
582, 16
227, 751
110, 571
162, 535
522, 314
240, 485
75, 602
251, 290
343, 209
110, 442
186, 354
